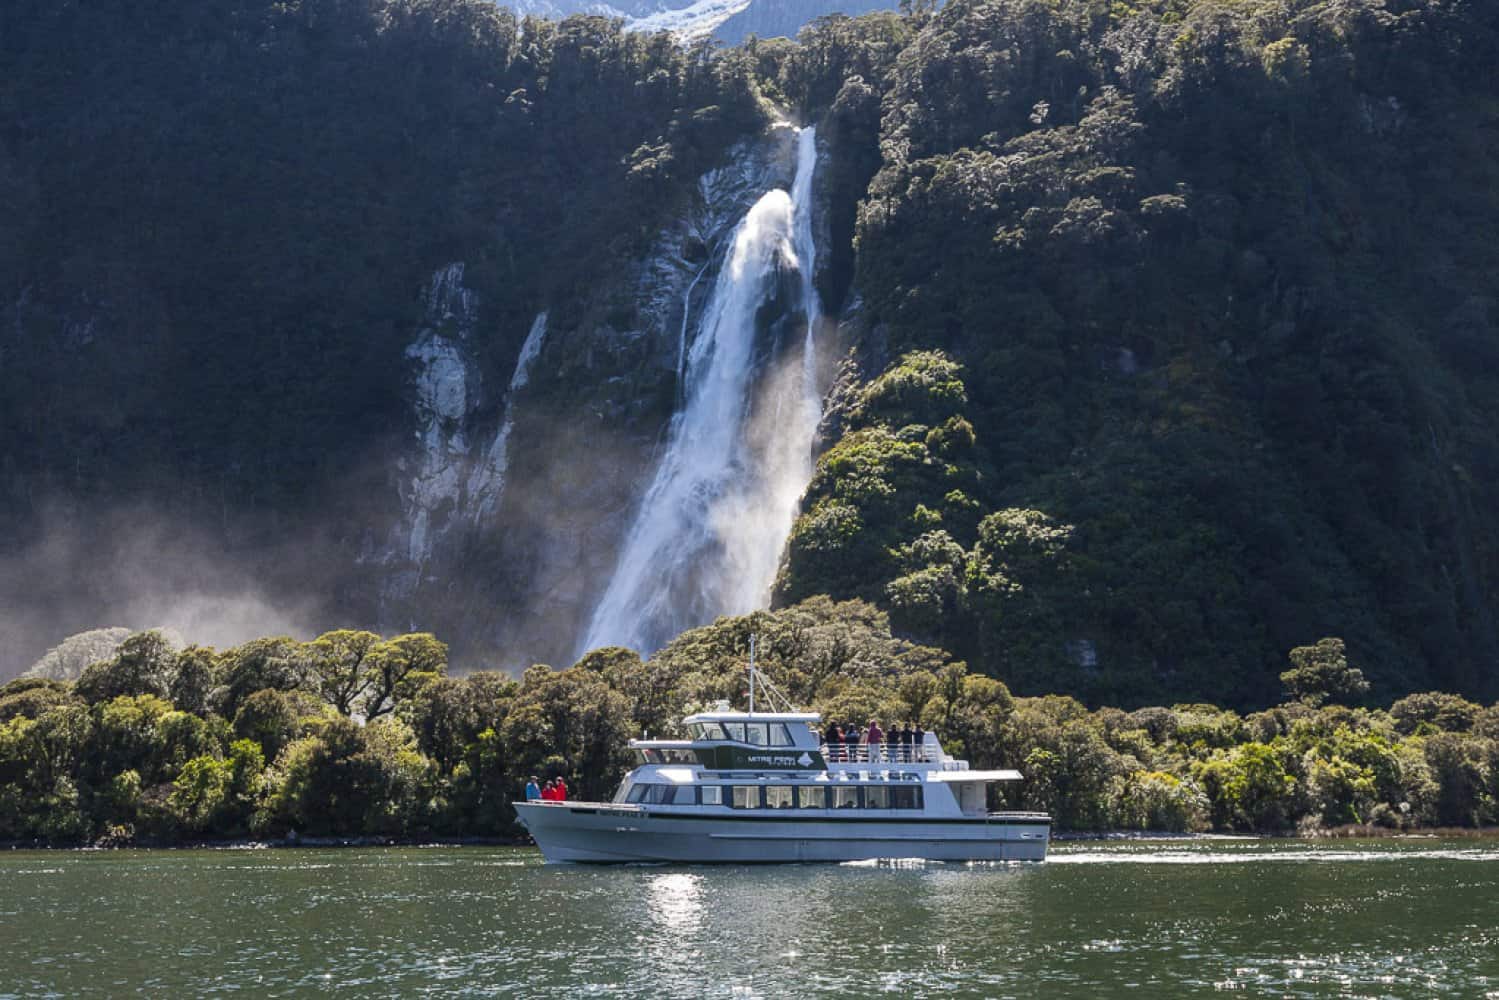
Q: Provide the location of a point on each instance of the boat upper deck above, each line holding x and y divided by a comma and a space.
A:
725, 740
790, 744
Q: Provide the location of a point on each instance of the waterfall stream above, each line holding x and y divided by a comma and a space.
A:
682, 335
487, 481
708, 535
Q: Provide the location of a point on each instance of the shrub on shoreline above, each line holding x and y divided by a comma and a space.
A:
354, 736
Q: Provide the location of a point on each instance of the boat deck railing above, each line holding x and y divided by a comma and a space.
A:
881, 753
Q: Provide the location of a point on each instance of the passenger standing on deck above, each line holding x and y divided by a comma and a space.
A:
533, 790
851, 737
561, 790
873, 736
918, 741
832, 738
907, 742
549, 791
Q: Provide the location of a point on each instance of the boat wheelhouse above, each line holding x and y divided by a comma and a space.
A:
764, 787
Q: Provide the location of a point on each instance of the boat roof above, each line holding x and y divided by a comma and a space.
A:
754, 717
966, 776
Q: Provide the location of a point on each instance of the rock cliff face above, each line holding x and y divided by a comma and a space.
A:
446, 389
453, 480
514, 499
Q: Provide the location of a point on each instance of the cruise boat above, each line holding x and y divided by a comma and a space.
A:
762, 787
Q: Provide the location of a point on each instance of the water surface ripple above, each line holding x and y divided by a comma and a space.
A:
1137, 918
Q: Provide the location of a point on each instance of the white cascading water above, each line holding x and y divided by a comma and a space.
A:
487, 481
682, 334
710, 529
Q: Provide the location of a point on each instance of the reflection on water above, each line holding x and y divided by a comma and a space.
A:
1190, 857
1163, 918
675, 901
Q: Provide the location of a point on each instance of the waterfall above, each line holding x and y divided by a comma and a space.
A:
487, 480
682, 335
709, 532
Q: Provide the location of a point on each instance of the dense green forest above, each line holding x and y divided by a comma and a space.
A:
256, 192
352, 735
219, 220
1212, 287
1170, 325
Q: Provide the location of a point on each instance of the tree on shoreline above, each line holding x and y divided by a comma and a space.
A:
1321, 674
110, 761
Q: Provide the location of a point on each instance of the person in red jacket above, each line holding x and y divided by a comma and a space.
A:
561, 790
549, 791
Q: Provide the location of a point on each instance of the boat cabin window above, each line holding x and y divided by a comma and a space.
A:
712, 795
745, 796
667, 755
905, 797
811, 797
876, 797
778, 796
846, 798
663, 795
760, 734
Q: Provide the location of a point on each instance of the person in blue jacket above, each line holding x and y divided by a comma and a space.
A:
533, 790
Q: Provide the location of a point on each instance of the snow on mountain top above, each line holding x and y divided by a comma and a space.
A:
692, 22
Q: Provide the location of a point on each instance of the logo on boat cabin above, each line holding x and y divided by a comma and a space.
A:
740, 758
777, 760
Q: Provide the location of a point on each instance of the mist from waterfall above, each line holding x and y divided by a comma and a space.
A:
710, 529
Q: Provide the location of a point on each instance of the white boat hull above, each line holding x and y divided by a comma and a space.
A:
609, 833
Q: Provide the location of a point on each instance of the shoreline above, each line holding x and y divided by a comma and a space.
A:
282, 843
295, 842
1349, 832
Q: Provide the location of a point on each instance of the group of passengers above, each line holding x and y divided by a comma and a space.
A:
900, 745
555, 790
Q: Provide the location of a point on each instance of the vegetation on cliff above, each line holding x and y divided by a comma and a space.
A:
220, 216
352, 735
1219, 280
219, 222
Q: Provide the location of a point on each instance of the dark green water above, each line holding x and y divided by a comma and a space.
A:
1150, 919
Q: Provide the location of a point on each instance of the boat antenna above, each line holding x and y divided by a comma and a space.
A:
778, 701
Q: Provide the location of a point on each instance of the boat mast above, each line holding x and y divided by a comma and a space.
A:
778, 701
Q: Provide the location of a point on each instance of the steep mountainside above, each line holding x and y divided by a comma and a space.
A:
1166, 330
1218, 282
227, 286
